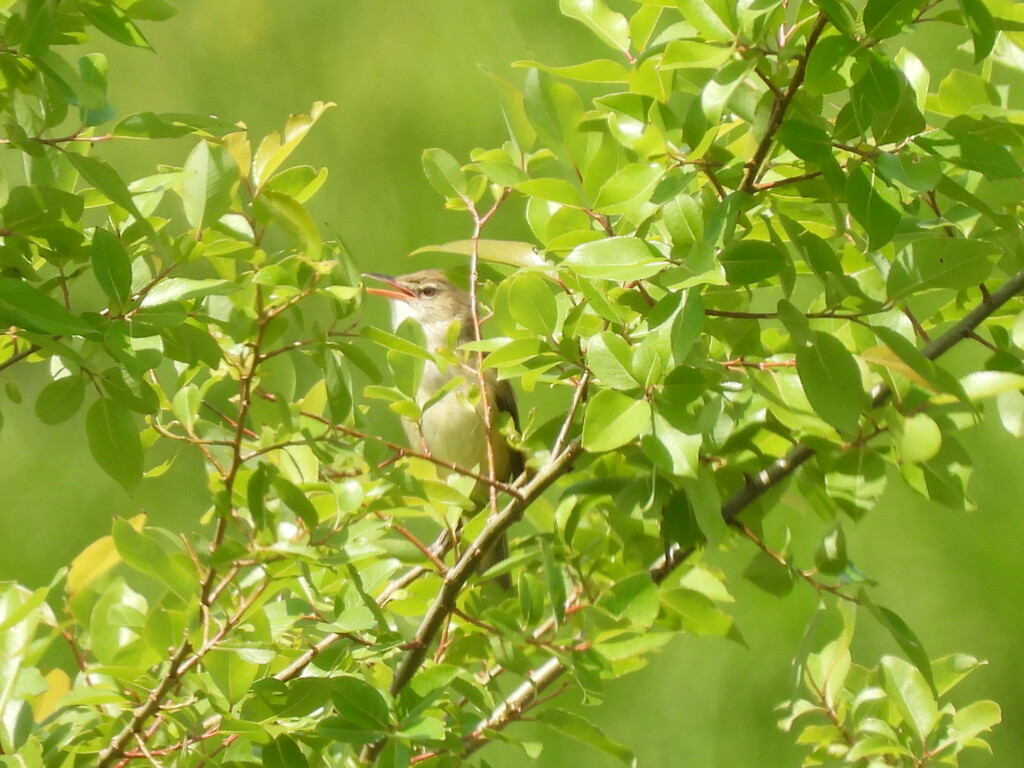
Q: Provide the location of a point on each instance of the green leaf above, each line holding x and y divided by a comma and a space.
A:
106, 180
596, 71
532, 304
515, 352
877, 745
209, 175
24, 306
256, 492
979, 385
554, 580
856, 481
294, 219
112, 267
694, 54
615, 258
887, 18
685, 221
362, 712
112, 21
188, 344
500, 172
444, 173
940, 262
276, 148
750, 261
151, 10
872, 205
912, 695
59, 400
806, 141
96, 110
973, 719
703, 495
975, 153
183, 288
339, 398
708, 22
903, 635
585, 732
613, 419
769, 574
114, 442
672, 449
627, 187
296, 500
541, 110
961, 91
950, 670
982, 26
36, 209
283, 752
610, 358
170, 125
634, 598
698, 613
555, 190
611, 27
831, 380
392, 341
720, 89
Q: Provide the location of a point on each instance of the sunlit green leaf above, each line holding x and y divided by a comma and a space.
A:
982, 26
912, 695
609, 26
750, 261
615, 258
444, 173
209, 175
832, 382
613, 419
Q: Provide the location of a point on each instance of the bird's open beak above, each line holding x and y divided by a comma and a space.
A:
398, 291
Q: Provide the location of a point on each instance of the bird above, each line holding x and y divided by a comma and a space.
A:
453, 428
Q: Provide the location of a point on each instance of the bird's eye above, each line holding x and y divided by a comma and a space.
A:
429, 291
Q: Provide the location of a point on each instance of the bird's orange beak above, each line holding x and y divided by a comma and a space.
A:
397, 291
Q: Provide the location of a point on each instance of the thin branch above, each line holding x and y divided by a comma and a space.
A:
487, 406
17, 358
402, 450
779, 107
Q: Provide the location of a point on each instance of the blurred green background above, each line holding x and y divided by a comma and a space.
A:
410, 75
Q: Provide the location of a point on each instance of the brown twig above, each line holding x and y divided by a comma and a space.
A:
779, 107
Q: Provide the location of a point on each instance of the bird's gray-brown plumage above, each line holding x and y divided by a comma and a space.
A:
453, 428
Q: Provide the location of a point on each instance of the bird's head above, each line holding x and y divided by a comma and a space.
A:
429, 298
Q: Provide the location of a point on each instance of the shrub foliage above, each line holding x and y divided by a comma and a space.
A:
750, 236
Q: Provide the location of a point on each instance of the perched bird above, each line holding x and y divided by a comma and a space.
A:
452, 428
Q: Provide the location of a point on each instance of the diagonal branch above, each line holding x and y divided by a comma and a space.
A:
779, 107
